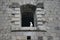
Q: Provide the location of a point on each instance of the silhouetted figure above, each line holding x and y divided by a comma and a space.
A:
31, 24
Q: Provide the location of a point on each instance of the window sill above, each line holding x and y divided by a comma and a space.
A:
28, 31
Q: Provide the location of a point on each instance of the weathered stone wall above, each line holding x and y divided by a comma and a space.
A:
52, 13
4, 26
23, 35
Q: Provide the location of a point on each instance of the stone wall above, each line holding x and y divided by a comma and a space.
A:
4, 26
52, 13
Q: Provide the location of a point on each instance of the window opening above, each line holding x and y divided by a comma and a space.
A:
27, 13
28, 37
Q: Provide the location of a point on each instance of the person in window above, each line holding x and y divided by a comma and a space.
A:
31, 24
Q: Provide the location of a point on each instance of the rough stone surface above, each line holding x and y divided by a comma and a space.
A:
4, 28
52, 15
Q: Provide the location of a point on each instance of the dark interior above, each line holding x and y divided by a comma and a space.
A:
28, 37
27, 17
27, 12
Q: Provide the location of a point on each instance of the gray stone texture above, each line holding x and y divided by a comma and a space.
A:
52, 15
4, 26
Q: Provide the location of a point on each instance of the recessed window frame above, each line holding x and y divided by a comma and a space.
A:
33, 18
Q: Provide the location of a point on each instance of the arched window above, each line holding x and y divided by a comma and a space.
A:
27, 13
